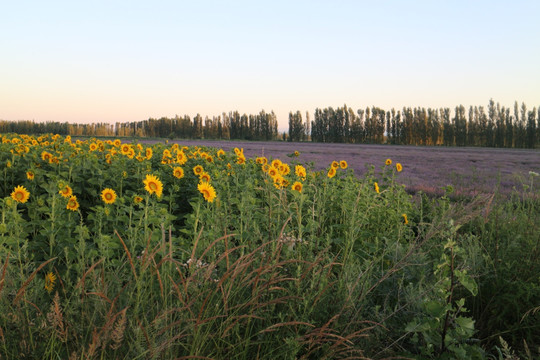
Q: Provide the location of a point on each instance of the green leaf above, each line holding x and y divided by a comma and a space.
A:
435, 308
467, 282
466, 323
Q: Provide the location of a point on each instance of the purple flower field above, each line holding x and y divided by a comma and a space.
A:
469, 170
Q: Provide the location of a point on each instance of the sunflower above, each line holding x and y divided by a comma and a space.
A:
275, 163
300, 171
148, 153
388, 162
261, 160
405, 220
197, 170
124, 149
20, 194
399, 167
30, 175
72, 203
331, 172
108, 196
153, 185
272, 171
241, 159
181, 158
343, 164
117, 142
284, 169
209, 159
66, 191
280, 182
93, 147
178, 172
296, 153
166, 154
50, 278
265, 168
297, 186
376, 187
137, 199
335, 164
204, 177
220, 153
46, 156
207, 190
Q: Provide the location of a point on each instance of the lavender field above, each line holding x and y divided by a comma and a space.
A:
469, 170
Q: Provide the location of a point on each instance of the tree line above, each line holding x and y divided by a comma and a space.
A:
493, 126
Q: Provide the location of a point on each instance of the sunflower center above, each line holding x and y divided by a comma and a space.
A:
108, 196
19, 195
152, 186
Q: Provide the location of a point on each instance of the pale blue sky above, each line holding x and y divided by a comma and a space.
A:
107, 61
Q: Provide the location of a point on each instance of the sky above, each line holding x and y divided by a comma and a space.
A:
118, 61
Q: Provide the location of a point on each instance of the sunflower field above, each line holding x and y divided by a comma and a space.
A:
124, 250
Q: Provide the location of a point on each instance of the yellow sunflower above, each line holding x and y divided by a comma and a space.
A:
30, 175
204, 177
181, 158
93, 147
178, 172
46, 156
50, 278
66, 191
241, 159
388, 162
137, 199
399, 167
153, 185
220, 153
284, 169
343, 164
197, 170
335, 164
297, 186
376, 187
72, 203
108, 196
296, 153
148, 152
300, 171
20, 194
117, 142
124, 149
272, 171
331, 172
280, 182
275, 163
166, 154
207, 190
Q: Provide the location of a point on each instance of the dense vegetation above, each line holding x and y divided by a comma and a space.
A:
495, 126
132, 251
